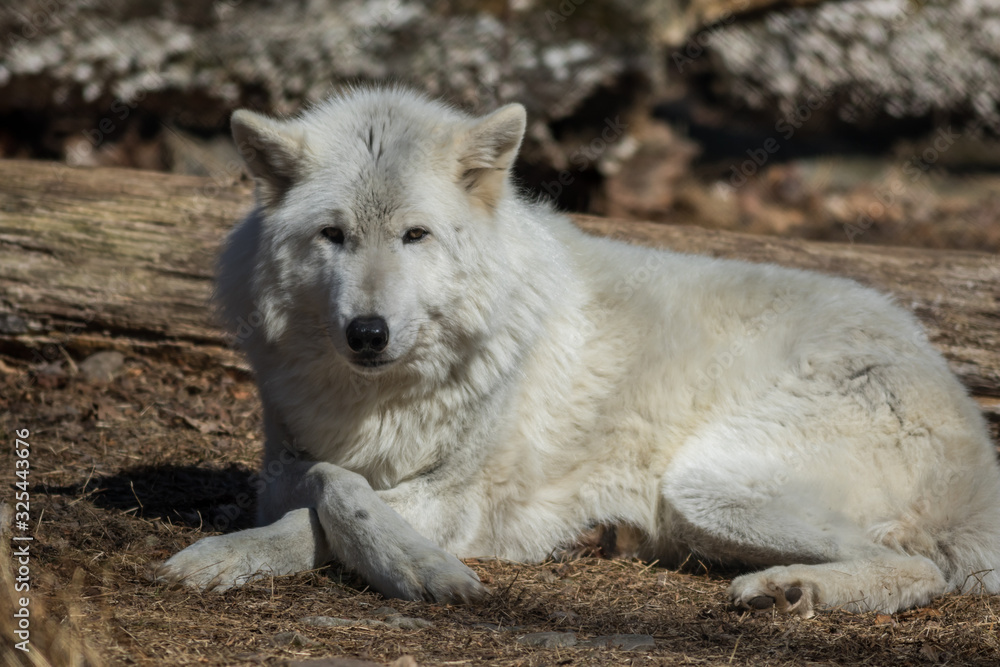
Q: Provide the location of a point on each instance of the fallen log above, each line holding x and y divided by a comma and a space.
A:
111, 258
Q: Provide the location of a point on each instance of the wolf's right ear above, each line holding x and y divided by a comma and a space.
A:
272, 150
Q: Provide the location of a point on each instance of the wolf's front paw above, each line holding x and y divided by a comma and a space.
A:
447, 579
220, 562
774, 587
427, 572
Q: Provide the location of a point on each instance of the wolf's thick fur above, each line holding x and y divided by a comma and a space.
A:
536, 381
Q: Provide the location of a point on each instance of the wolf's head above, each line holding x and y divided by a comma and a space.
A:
376, 220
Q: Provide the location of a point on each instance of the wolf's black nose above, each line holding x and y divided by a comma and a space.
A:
368, 334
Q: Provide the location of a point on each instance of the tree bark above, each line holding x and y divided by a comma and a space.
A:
110, 258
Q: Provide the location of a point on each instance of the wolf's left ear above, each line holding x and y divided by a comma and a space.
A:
272, 150
488, 150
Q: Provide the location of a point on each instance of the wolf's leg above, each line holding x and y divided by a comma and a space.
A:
747, 492
294, 543
328, 512
886, 583
373, 538
310, 513
844, 568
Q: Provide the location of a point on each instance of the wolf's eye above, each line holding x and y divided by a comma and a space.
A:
415, 234
333, 234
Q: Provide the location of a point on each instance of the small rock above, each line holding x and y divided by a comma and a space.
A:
331, 662
496, 627
623, 642
402, 661
295, 639
492, 627
12, 324
395, 620
333, 622
52, 369
401, 622
548, 639
102, 366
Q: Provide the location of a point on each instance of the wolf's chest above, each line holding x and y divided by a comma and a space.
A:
384, 445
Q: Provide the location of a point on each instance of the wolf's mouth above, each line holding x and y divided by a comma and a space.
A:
371, 362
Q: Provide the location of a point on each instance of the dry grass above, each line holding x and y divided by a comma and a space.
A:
126, 474
51, 642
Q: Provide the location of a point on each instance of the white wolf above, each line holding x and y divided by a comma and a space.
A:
447, 369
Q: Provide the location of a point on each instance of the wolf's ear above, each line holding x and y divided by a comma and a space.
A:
272, 150
488, 150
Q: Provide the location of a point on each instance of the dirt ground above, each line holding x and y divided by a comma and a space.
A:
127, 472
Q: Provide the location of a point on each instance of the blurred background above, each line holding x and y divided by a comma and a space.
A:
868, 121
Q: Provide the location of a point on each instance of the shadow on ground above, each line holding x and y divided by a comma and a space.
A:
213, 499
